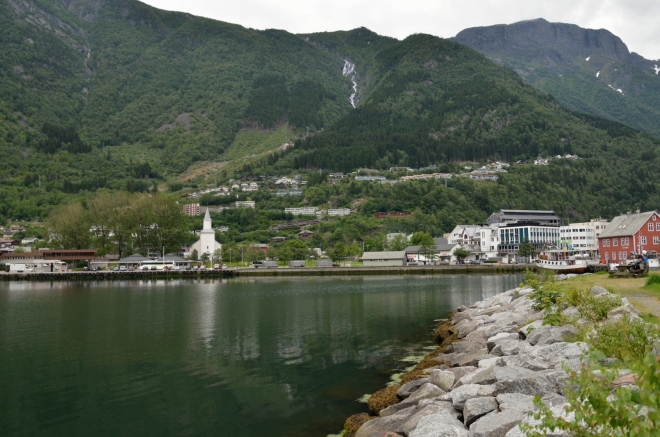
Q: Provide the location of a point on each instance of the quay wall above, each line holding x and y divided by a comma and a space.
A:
263, 272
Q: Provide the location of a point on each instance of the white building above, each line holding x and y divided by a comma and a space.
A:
339, 211
306, 210
206, 243
583, 236
245, 204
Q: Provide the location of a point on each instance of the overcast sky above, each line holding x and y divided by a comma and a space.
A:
637, 22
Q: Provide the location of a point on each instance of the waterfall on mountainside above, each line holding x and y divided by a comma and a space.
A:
349, 71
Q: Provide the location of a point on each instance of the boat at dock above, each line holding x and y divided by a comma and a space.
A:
566, 261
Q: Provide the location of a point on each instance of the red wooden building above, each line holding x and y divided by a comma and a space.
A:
632, 232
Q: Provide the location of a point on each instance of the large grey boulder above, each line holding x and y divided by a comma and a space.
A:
500, 338
553, 400
528, 329
491, 362
461, 394
597, 290
475, 408
466, 326
551, 334
439, 425
460, 372
426, 391
549, 356
511, 347
442, 378
421, 412
624, 310
463, 347
516, 401
496, 425
557, 411
470, 358
485, 376
537, 384
392, 423
408, 388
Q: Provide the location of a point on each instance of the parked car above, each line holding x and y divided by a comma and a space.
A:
216, 266
122, 268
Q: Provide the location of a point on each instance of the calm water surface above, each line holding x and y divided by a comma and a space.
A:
267, 357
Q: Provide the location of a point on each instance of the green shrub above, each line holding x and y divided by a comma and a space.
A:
624, 339
628, 413
595, 309
653, 280
545, 297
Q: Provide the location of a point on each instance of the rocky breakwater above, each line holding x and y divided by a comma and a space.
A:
495, 357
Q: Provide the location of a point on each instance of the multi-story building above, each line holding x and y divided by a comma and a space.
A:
539, 235
630, 233
191, 209
245, 204
339, 211
582, 236
517, 215
306, 210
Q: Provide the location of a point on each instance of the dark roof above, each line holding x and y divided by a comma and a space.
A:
441, 245
135, 258
626, 224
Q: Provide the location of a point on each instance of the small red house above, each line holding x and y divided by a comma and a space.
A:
632, 232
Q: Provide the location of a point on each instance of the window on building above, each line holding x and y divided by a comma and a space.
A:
623, 255
656, 240
606, 243
615, 242
650, 226
613, 255
625, 241
657, 225
642, 240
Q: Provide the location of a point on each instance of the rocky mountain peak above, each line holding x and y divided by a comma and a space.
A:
540, 34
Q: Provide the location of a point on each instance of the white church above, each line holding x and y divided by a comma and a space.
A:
206, 242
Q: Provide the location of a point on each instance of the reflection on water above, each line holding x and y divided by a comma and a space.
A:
255, 357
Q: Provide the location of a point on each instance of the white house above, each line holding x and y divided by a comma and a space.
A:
206, 243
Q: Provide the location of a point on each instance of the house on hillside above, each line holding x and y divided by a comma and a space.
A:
305, 234
629, 233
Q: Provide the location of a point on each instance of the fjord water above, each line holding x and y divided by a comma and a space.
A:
267, 357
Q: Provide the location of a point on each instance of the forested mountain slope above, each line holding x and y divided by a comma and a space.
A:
434, 100
587, 70
116, 95
138, 85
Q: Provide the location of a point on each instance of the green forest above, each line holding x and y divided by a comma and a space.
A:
132, 99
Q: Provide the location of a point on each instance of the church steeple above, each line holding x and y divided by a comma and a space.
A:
207, 221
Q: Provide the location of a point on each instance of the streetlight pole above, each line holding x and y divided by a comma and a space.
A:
230, 258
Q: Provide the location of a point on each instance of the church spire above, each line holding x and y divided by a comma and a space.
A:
207, 221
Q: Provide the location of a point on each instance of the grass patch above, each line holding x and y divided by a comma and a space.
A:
251, 142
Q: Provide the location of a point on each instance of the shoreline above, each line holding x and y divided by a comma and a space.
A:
266, 272
492, 359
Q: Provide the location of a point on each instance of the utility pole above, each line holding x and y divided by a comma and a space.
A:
230, 257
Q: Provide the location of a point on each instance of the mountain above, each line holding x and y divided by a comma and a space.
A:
587, 70
436, 101
140, 86
107, 95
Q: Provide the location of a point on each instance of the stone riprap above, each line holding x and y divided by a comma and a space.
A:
485, 382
